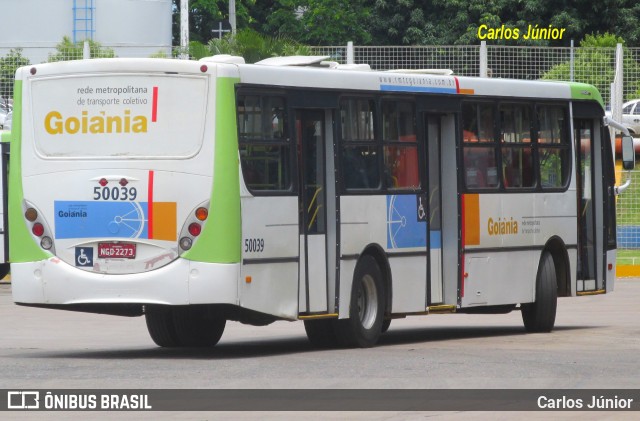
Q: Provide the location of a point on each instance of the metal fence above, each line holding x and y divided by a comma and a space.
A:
590, 65
596, 66
628, 220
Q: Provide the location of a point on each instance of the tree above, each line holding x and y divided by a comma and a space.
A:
204, 16
445, 22
308, 21
8, 66
333, 22
593, 64
68, 50
254, 47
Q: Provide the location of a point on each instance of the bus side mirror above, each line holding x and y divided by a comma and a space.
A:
628, 153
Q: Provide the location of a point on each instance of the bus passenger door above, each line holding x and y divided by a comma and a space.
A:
434, 217
588, 194
317, 201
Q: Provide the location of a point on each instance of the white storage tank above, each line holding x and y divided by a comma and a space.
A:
132, 28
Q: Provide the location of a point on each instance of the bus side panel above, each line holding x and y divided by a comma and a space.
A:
224, 221
610, 273
22, 247
511, 231
362, 222
492, 279
409, 284
4, 238
380, 220
269, 271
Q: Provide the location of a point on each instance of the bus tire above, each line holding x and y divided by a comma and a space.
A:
385, 325
4, 270
160, 325
321, 333
366, 310
197, 326
540, 316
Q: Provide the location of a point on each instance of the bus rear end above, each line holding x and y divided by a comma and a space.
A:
112, 202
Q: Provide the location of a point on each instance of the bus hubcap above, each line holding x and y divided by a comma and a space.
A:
367, 302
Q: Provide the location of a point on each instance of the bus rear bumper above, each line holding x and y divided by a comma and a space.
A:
53, 282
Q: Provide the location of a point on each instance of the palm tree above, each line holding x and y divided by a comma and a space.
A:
254, 47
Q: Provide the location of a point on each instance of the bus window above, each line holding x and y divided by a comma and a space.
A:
517, 152
360, 163
479, 159
263, 143
400, 145
553, 147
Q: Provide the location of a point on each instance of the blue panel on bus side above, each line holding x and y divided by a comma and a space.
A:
404, 227
435, 238
100, 219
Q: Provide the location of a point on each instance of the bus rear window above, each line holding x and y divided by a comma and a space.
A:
119, 116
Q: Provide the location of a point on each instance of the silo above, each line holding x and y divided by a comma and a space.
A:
133, 28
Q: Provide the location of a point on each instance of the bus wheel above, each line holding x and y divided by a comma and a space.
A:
197, 326
540, 315
321, 333
385, 325
4, 270
366, 310
160, 325
184, 326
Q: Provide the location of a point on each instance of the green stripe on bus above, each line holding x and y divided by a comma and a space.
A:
585, 91
220, 239
22, 247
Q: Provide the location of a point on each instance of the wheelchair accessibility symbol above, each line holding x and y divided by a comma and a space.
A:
84, 256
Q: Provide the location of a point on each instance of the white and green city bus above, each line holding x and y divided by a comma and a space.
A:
196, 192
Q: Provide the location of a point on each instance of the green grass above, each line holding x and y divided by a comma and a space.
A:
628, 257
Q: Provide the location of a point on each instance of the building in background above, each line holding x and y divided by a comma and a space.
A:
132, 28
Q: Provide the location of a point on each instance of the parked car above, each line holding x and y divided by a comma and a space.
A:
630, 116
3, 117
7, 121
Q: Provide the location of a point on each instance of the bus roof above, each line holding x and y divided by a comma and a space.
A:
341, 77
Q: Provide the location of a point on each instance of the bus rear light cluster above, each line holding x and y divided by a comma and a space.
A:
193, 227
38, 228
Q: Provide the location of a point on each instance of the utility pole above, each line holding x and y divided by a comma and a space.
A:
232, 15
184, 28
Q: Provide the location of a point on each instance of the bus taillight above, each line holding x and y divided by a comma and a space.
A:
185, 243
195, 229
37, 229
193, 226
46, 243
31, 214
202, 213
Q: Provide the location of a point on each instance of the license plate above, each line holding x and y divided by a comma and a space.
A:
116, 250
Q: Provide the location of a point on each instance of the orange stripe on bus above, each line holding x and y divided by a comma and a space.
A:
471, 220
165, 221
467, 91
